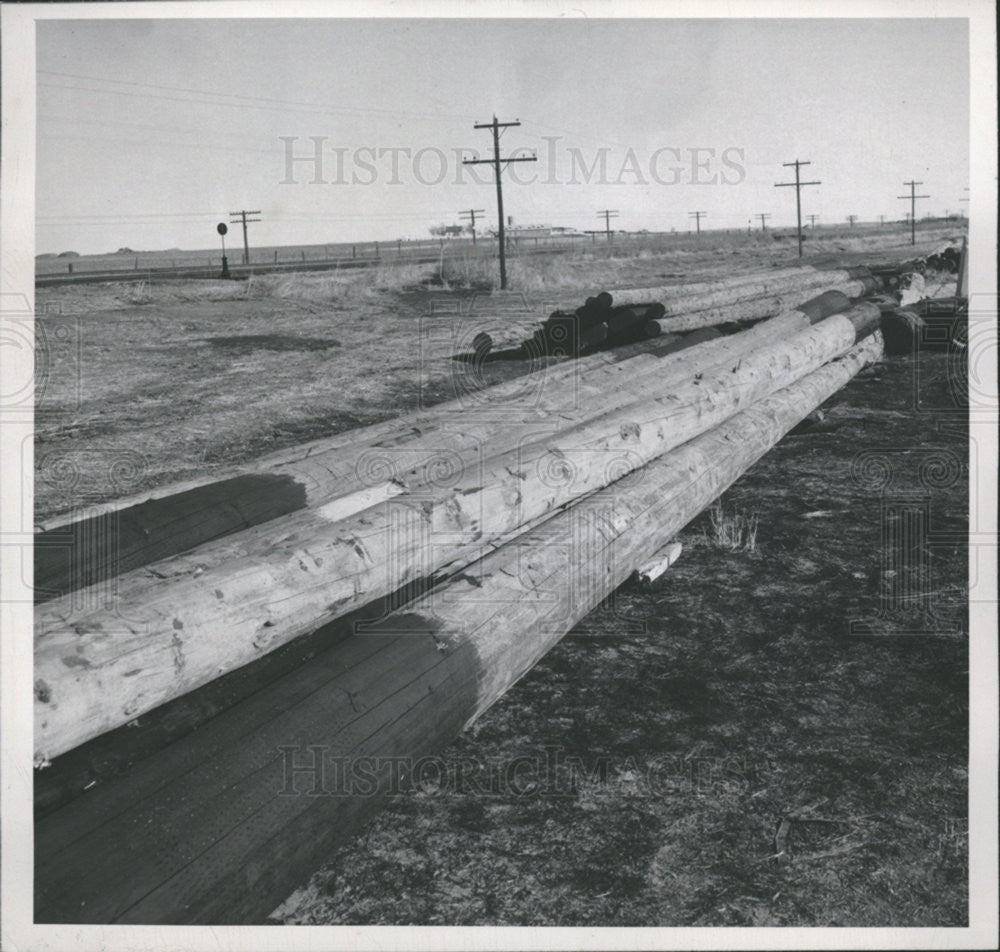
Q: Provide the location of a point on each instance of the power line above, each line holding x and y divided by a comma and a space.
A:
697, 216
495, 127
471, 216
608, 214
798, 194
242, 216
913, 196
248, 101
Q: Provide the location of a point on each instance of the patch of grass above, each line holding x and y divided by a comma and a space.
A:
736, 532
140, 293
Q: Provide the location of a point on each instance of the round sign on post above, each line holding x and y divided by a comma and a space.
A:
222, 229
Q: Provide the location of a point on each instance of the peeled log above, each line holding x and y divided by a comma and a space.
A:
203, 834
803, 272
753, 309
383, 461
678, 302
190, 618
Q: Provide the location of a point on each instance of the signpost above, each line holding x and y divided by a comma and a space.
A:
221, 228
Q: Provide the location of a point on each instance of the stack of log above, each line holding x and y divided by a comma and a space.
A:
486, 531
629, 315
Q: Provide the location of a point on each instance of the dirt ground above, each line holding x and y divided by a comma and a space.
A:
771, 735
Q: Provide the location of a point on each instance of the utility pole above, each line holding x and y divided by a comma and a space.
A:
495, 127
798, 194
763, 220
812, 220
608, 214
960, 211
881, 220
697, 216
471, 215
242, 216
913, 196
852, 219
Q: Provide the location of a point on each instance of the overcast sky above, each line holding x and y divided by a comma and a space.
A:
152, 131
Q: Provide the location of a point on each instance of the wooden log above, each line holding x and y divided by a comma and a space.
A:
190, 618
380, 464
226, 822
135, 532
677, 301
753, 309
902, 330
730, 281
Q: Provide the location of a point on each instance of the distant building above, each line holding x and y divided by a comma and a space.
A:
541, 231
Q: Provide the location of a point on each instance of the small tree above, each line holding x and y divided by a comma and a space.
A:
446, 231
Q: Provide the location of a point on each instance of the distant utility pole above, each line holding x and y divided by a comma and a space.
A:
471, 215
697, 216
495, 127
881, 220
798, 194
812, 220
242, 216
608, 214
852, 219
763, 220
913, 196
960, 211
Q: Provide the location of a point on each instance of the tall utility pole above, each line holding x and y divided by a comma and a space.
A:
497, 168
242, 216
697, 216
913, 196
763, 220
852, 219
798, 194
812, 220
471, 215
608, 214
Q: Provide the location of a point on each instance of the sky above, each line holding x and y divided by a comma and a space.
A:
150, 132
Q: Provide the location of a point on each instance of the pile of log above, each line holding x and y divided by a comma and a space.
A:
485, 532
630, 315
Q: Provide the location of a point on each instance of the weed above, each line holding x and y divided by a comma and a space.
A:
140, 293
736, 532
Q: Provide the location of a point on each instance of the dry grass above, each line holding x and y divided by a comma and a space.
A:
736, 532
